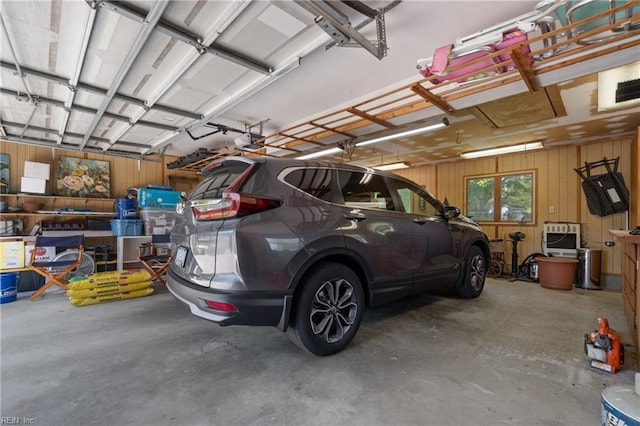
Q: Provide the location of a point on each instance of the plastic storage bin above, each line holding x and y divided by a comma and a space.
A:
126, 227
158, 221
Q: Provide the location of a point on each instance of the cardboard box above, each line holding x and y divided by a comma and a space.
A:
11, 254
33, 185
44, 254
158, 198
37, 170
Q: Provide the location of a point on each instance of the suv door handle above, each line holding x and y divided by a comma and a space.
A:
356, 215
420, 220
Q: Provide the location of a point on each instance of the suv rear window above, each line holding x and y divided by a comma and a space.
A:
315, 182
218, 180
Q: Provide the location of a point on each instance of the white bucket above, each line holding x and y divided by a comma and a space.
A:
620, 405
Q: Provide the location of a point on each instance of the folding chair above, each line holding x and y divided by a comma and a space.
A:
156, 256
56, 271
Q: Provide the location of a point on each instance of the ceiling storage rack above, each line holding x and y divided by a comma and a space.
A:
556, 47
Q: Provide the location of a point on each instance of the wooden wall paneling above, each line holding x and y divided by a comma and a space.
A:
429, 178
629, 289
545, 196
15, 162
450, 183
412, 173
481, 166
147, 173
12, 151
124, 174
124, 171
423, 175
508, 163
595, 229
557, 185
634, 182
130, 177
462, 169
562, 184
182, 180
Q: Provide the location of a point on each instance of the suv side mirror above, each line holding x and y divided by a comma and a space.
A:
451, 212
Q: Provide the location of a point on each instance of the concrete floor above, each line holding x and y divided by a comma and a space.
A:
513, 356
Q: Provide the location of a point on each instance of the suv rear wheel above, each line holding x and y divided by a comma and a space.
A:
475, 270
328, 309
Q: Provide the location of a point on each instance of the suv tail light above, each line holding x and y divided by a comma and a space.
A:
233, 203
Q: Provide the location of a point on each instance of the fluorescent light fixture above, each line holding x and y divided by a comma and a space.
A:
330, 151
392, 166
431, 127
502, 150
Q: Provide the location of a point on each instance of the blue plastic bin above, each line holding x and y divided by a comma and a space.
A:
126, 227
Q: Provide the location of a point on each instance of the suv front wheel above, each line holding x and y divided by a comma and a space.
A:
328, 309
475, 270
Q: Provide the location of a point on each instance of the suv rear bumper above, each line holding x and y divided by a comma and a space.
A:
260, 308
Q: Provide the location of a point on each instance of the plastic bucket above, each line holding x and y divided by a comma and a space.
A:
8, 287
126, 208
620, 404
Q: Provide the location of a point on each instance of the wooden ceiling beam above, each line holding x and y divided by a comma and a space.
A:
329, 129
521, 61
285, 146
434, 99
301, 139
371, 118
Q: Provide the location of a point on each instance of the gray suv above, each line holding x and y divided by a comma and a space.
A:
306, 246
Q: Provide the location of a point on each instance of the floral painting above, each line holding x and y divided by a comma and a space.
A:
78, 177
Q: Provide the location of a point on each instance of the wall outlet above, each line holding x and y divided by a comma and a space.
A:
552, 209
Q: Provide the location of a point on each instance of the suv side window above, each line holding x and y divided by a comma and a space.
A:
416, 200
315, 182
364, 190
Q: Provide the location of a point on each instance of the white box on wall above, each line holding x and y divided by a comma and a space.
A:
37, 170
33, 185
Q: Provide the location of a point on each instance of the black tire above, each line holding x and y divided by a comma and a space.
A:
327, 310
475, 270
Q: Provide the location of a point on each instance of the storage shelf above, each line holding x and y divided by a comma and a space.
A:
88, 233
100, 214
57, 197
54, 206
